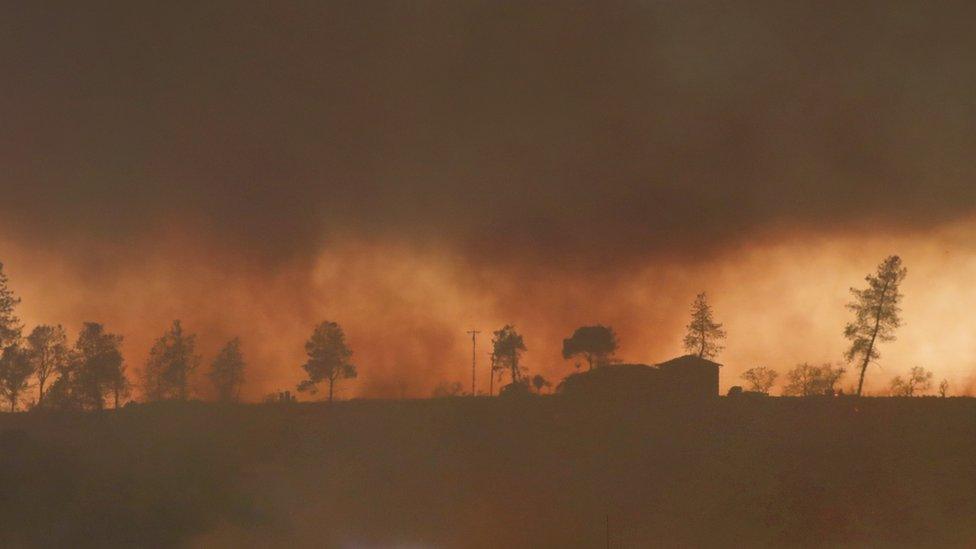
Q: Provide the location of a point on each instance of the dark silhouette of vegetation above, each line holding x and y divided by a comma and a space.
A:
594, 343
876, 314
507, 347
539, 383
704, 334
918, 380
516, 389
280, 397
94, 372
227, 372
808, 380
172, 360
760, 379
10, 327
328, 358
944, 388
15, 374
47, 347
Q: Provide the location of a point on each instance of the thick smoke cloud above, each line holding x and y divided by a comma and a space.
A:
579, 132
412, 169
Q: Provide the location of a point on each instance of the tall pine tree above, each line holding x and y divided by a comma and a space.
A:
704, 334
10, 326
876, 314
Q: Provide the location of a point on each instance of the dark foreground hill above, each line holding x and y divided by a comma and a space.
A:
544, 472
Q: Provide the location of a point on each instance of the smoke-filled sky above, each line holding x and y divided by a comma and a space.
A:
412, 170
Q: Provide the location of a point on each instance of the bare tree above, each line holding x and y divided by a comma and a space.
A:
47, 348
760, 379
172, 360
328, 358
944, 388
507, 348
594, 343
704, 333
15, 373
227, 372
876, 314
808, 380
918, 380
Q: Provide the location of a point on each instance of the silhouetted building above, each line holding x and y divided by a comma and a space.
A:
687, 377
691, 375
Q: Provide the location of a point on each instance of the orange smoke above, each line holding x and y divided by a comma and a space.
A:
406, 308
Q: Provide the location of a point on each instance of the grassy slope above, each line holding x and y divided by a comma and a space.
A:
492, 473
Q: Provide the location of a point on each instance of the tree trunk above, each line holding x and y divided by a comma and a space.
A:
874, 337
331, 383
40, 389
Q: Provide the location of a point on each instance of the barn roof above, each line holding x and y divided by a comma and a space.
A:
688, 361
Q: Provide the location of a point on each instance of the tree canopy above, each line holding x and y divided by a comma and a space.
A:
596, 344
507, 346
15, 373
47, 349
95, 370
704, 334
10, 326
227, 371
917, 381
760, 378
328, 358
808, 380
172, 360
876, 314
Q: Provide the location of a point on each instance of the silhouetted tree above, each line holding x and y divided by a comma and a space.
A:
172, 360
760, 379
93, 370
10, 327
876, 314
47, 348
918, 380
227, 371
328, 358
944, 388
808, 380
594, 343
15, 373
704, 333
540, 383
507, 347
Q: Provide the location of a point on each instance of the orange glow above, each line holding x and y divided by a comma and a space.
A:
405, 309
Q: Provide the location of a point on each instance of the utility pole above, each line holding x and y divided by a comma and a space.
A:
491, 373
474, 358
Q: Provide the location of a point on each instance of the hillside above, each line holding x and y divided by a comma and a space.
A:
542, 472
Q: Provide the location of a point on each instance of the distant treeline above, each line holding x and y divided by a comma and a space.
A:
90, 374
